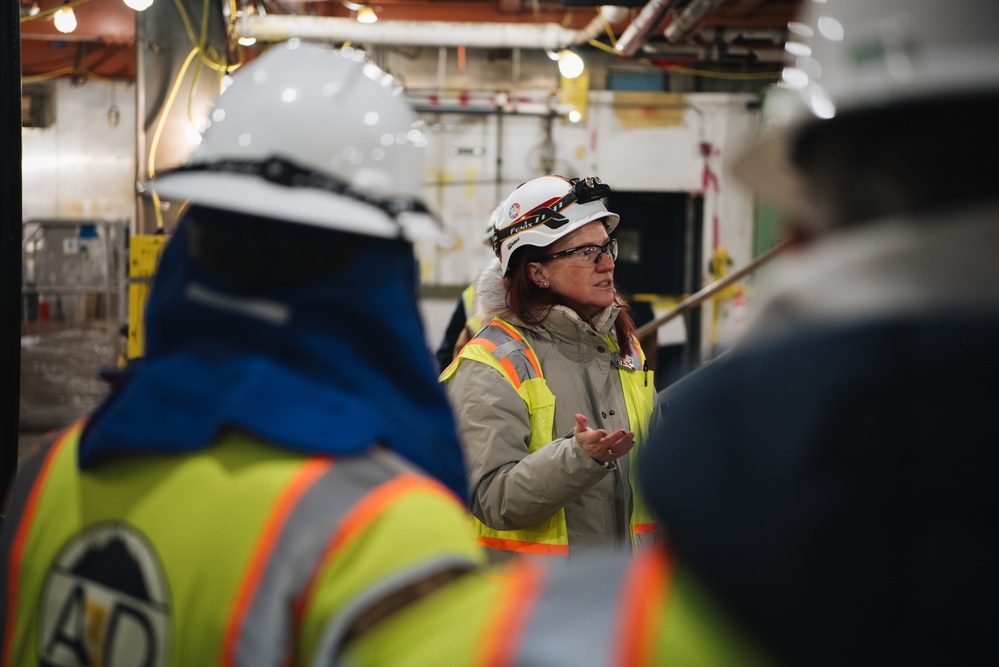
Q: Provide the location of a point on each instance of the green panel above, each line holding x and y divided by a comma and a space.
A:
768, 230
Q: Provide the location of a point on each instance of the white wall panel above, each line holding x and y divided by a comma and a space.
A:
82, 166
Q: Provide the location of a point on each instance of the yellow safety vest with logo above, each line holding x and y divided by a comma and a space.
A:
237, 554
503, 347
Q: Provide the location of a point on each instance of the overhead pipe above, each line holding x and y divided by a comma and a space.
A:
550, 36
643, 26
689, 19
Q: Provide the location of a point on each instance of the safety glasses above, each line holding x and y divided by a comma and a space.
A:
586, 254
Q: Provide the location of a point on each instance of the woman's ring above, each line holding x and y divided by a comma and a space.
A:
610, 452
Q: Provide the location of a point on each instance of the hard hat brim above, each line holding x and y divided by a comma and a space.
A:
765, 167
308, 206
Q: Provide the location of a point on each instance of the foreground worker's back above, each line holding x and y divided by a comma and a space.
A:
240, 554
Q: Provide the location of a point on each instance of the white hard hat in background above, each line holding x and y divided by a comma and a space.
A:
544, 209
314, 135
487, 237
848, 57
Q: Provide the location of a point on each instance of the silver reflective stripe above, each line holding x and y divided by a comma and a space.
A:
327, 653
272, 312
646, 541
513, 349
264, 637
576, 618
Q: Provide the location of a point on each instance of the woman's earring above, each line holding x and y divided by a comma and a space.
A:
543, 285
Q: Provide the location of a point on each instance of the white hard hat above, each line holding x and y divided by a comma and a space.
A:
544, 209
487, 236
848, 57
314, 135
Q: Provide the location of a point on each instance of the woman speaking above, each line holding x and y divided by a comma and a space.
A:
553, 396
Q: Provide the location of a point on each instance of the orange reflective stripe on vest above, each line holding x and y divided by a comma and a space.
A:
22, 516
511, 351
520, 546
605, 609
310, 471
641, 610
508, 619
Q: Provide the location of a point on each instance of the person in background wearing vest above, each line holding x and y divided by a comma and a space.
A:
465, 322
553, 394
833, 476
281, 471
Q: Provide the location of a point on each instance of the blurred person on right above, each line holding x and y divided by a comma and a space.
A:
831, 480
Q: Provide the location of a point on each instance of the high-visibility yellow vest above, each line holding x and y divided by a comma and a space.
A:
604, 609
472, 321
503, 347
238, 554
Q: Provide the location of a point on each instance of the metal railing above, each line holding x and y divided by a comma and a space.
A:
710, 290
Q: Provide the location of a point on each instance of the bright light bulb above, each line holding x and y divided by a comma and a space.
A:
139, 5
570, 65
65, 20
366, 15
193, 135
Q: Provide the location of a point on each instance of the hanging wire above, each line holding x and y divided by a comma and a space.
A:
49, 12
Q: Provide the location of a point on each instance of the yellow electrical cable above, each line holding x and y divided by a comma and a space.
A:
604, 47
607, 29
154, 144
50, 75
53, 10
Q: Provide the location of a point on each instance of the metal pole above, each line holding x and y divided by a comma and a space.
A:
706, 292
10, 242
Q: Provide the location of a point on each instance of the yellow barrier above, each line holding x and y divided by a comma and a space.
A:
144, 256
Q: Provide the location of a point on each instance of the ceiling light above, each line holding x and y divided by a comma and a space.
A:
366, 15
570, 65
139, 5
65, 20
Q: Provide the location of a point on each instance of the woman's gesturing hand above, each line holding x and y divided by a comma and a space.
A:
599, 444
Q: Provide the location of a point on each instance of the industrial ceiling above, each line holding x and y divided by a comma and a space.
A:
104, 42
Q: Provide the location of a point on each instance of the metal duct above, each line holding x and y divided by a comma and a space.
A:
277, 28
689, 19
642, 27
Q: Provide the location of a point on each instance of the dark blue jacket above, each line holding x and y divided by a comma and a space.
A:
837, 489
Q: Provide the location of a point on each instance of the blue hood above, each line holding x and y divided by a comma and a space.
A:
328, 368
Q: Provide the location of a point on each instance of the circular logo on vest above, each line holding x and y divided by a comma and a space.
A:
104, 602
